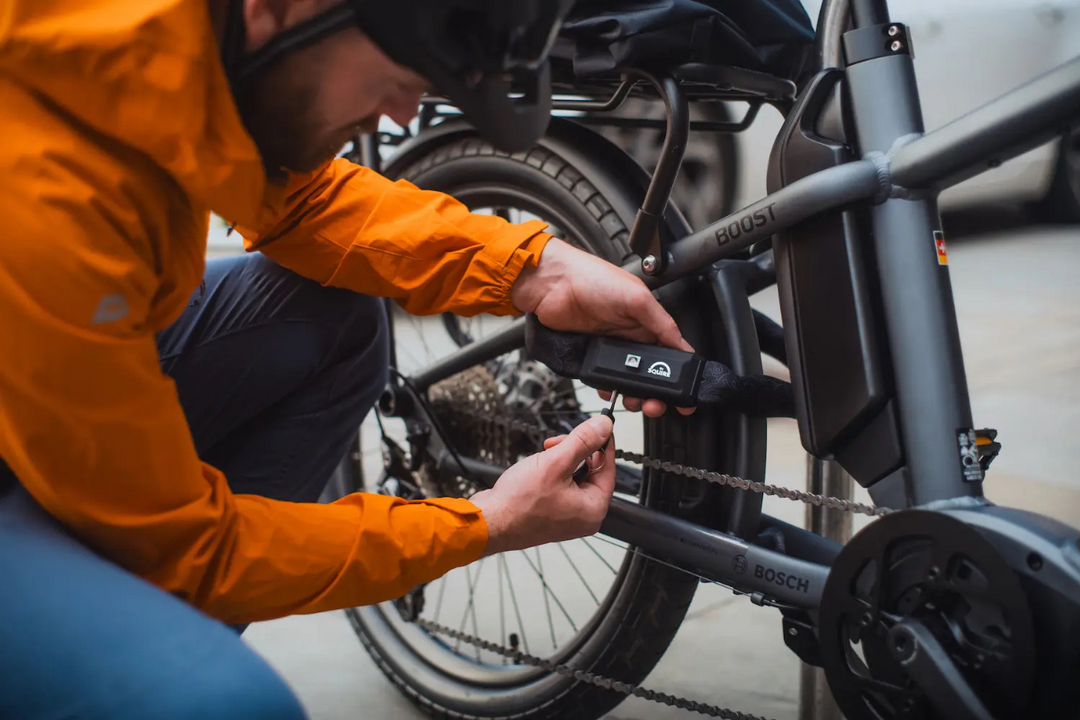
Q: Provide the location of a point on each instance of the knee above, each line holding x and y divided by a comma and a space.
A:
364, 339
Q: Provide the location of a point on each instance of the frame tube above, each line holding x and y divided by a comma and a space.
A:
719, 557
510, 338
869, 12
750, 439
802, 199
798, 201
832, 22
1004, 128
920, 318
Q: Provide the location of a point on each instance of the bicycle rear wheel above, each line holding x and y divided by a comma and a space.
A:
620, 610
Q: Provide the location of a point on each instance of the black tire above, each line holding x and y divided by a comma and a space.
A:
1062, 203
647, 603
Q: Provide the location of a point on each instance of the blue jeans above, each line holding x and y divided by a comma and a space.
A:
275, 374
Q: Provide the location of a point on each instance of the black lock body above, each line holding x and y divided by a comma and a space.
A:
645, 371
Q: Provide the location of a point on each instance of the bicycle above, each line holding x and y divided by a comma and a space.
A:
944, 606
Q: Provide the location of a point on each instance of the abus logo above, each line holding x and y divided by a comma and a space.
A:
660, 368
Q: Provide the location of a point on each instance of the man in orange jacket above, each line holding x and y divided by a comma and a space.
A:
163, 440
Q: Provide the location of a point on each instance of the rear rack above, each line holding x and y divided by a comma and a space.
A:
699, 81
595, 98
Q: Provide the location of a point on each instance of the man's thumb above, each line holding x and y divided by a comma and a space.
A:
586, 438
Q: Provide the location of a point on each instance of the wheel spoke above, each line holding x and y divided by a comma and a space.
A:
470, 608
415, 361
612, 543
548, 591
438, 603
578, 573
547, 605
517, 609
597, 553
502, 611
464, 615
428, 355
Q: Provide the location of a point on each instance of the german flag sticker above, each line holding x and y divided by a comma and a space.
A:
939, 242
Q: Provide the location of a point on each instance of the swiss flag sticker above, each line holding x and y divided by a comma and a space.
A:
939, 242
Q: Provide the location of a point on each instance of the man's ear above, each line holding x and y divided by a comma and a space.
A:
264, 19
267, 18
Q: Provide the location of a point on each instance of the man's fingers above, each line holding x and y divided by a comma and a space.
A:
586, 438
657, 321
653, 408
553, 441
603, 477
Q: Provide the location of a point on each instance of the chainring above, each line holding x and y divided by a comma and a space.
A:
937, 569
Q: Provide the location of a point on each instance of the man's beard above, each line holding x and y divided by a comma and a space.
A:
279, 111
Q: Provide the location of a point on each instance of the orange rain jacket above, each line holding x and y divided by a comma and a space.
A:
118, 136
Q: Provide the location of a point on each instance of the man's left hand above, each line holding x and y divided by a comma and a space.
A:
574, 291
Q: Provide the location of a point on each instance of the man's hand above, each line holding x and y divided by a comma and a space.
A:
571, 290
537, 502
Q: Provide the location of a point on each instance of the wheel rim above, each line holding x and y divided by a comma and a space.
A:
595, 568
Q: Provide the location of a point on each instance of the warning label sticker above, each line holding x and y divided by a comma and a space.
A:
939, 242
969, 455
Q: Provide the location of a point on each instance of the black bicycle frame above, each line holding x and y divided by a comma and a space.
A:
899, 176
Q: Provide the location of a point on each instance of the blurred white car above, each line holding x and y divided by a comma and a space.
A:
968, 52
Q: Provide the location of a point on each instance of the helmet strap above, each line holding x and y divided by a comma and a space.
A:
241, 67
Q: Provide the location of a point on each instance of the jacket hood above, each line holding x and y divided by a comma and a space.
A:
148, 73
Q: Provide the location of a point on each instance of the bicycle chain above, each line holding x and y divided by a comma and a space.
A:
537, 434
601, 681
695, 473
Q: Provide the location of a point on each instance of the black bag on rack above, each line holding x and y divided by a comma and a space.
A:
773, 36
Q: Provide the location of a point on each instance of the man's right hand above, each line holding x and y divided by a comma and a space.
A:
537, 501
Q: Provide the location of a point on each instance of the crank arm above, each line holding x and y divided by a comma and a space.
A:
929, 665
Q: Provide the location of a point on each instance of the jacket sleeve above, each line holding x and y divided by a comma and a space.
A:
95, 432
348, 226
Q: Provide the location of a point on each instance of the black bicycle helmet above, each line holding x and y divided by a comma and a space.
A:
487, 57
